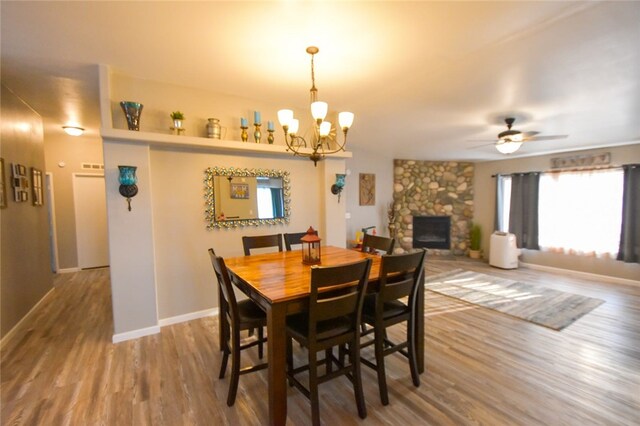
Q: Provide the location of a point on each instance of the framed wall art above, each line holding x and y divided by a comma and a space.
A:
36, 186
240, 191
3, 188
367, 189
20, 183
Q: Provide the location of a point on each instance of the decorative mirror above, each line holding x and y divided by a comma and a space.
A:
246, 197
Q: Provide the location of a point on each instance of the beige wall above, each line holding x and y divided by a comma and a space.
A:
158, 251
25, 256
72, 151
184, 276
366, 161
485, 200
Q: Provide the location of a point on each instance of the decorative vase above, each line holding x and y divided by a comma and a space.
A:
214, 131
132, 112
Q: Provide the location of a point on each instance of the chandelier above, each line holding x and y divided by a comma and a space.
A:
322, 139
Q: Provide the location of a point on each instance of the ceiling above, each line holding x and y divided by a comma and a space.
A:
426, 80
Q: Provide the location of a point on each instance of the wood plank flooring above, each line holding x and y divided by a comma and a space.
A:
482, 367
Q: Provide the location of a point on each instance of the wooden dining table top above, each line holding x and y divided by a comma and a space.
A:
282, 276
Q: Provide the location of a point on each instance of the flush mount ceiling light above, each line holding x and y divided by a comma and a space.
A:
322, 141
73, 130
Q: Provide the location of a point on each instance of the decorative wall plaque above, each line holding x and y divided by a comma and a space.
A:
577, 161
367, 189
20, 183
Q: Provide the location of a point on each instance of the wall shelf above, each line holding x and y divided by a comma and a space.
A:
174, 141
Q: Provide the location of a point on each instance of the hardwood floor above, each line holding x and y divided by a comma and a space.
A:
482, 367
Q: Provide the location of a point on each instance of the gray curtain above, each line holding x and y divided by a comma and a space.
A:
629, 250
499, 204
523, 215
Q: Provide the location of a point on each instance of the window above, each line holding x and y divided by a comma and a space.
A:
581, 212
504, 183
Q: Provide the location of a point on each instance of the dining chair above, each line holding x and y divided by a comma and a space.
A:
399, 277
333, 319
261, 241
241, 315
376, 243
293, 239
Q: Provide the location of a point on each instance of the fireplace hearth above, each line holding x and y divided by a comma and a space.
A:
432, 232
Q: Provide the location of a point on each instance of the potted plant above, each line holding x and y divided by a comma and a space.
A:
177, 118
475, 236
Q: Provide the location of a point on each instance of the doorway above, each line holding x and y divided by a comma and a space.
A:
91, 220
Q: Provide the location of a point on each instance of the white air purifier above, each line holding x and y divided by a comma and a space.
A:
503, 251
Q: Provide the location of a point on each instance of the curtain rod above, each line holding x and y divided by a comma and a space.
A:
581, 169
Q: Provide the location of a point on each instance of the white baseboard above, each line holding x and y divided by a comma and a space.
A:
11, 332
188, 317
135, 334
67, 270
589, 275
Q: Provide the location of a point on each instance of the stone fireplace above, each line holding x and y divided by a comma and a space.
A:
433, 189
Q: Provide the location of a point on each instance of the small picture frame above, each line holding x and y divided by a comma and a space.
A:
3, 186
239, 191
20, 183
36, 185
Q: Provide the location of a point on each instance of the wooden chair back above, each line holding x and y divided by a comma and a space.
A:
224, 281
334, 295
261, 241
375, 242
399, 276
293, 238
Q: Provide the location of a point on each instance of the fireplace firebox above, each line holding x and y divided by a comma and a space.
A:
432, 232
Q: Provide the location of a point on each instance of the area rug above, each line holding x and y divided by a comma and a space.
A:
544, 306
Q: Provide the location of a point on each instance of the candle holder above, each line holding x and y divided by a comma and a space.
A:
270, 137
244, 135
128, 180
257, 134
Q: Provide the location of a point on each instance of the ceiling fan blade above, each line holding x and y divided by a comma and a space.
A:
547, 138
481, 146
481, 140
530, 134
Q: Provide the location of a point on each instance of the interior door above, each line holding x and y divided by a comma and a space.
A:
91, 220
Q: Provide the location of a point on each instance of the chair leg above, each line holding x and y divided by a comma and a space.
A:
413, 359
260, 344
380, 332
328, 355
235, 368
357, 380
313, 388
223, 366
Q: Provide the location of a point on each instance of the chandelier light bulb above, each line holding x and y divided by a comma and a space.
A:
325, 128
319, 110
293, 126
285, 116
345, 119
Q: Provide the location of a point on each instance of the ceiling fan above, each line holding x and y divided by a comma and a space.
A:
510, 140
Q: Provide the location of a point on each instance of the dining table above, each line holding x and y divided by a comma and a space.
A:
279, 283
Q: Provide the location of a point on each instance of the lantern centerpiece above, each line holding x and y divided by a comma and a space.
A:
310, 247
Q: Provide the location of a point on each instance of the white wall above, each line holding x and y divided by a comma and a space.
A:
484, 186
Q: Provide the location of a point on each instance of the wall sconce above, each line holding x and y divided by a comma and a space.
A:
128, 180
336, 188
311, 247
